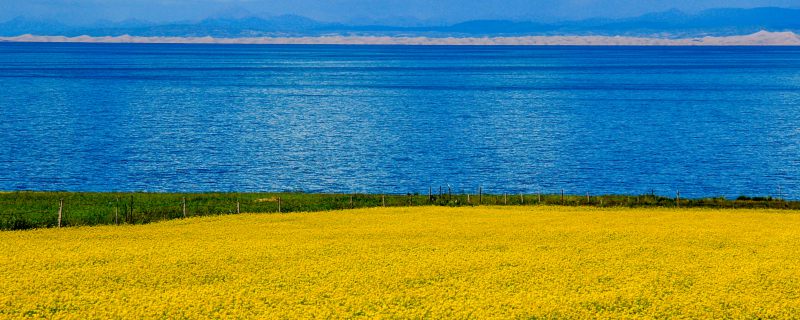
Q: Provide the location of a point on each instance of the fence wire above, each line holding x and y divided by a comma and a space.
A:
25, 210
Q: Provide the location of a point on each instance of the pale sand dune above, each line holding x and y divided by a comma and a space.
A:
762, 38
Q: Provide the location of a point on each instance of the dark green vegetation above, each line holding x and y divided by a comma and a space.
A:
25, 210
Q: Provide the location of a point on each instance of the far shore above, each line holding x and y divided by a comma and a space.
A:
762, 38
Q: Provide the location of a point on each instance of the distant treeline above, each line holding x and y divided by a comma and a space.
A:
27, 210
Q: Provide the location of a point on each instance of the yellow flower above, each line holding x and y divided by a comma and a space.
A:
421, 262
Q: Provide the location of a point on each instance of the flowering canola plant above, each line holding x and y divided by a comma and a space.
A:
420, 262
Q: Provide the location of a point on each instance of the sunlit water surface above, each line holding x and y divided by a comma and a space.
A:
397, 119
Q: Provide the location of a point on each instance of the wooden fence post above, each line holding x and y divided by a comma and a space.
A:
383, 200
60, 209
587, 198
279, 204
237, 207
505, 200
521, 199
130, 217
183, 204
116, 212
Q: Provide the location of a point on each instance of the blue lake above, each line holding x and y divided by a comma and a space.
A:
397, 119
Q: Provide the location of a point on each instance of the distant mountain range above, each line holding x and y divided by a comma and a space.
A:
671, 24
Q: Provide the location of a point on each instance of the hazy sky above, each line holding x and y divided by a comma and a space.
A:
439, 11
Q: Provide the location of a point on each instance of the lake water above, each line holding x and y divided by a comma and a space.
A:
397, 119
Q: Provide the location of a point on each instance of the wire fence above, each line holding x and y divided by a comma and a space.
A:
26, 210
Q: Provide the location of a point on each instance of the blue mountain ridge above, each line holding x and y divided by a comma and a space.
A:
713, 22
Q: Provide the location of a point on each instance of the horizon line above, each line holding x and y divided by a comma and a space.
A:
761, 38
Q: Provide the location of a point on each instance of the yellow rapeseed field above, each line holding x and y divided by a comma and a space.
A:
424, 262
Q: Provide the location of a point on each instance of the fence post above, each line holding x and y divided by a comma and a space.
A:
539, 196
505, 199
521, 199
130, 217
237, 207
116, 213
587, 198
183, 203
279, 204
383, 200
60, 209
468, 198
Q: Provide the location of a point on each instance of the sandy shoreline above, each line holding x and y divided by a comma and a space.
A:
763, 38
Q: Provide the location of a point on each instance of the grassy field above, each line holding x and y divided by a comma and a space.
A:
420, 262
27, 210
